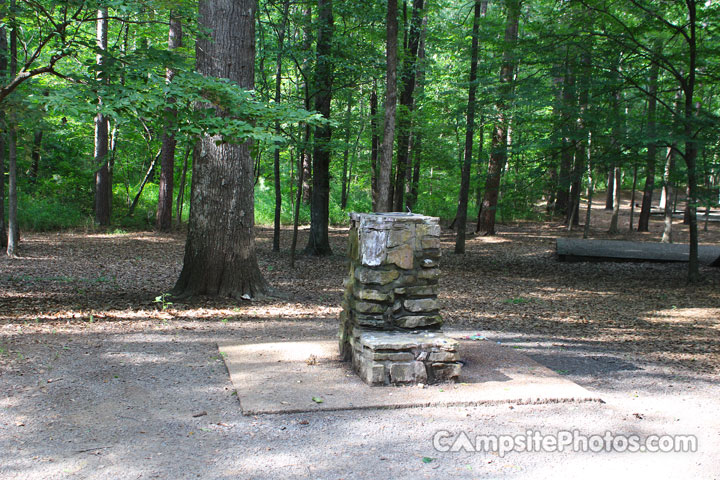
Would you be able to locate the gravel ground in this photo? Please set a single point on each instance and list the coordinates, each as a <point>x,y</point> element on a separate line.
<point>156,402</point>
<point>98,381</point>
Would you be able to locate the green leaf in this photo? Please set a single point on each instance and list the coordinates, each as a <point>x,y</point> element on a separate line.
<point>317,400</point>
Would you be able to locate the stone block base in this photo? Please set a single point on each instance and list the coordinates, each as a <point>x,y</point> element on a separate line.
<point>402,358</point>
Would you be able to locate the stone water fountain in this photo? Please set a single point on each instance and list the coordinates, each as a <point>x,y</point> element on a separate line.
<point>390,323</point>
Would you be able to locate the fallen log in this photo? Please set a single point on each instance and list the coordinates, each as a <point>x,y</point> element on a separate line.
<point>585,250</point>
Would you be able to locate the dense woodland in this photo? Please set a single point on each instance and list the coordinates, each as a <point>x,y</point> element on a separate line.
<point>486,109</point>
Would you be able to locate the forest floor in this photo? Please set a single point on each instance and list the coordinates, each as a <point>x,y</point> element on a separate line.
<point>98,380</point>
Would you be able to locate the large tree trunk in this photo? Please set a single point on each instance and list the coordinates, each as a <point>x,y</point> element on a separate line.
<point>318,242</point>
<point>384,201</point>
<point>461,216</point>
<point>644,220</point>
<point>498,155</point>
<point>406,100</point>
<point>167,157</point>
<point>102,172</point>
<point>220,248</point>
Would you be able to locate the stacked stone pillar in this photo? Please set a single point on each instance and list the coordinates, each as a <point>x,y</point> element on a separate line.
<point>390,323</point>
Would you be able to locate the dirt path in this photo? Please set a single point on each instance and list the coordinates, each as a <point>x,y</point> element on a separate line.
<point>97,381</point>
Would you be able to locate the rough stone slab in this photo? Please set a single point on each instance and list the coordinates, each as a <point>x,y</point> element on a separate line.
<point>274,377</point>
<point>402,341</point>
<point>576,249</point>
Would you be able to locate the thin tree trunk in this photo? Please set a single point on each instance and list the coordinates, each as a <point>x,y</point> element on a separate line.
<point>181,193</point>
<point>591,189</point>
<point>632,198</point>
<point>417,133</point>
<point>102,173</point>
<point>691,145</point>
<point>307,88</point>
<point>278,130</point>
<point>3,132</point>
<point>461,215</point>
<point>567,170</point>
<point>167,157</point>
<point>146,179</point>
<point>644,220</point>
<point>609,192</point>
<point>480,163</point>
<point>498,155</point>
<point>406,100</point>
<point>384,202</point>
<point>13,230</point>
<point>374,144</point>
<point>318,241</point>
<point>296,213</point>
<point>617,175</point>
<point>346,155</point>
<point>667,236</point>
<point>582,154</point>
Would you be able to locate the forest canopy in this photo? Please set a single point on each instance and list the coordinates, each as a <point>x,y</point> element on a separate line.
<point>567,97</point>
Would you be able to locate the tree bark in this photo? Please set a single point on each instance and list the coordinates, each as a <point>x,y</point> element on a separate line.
<point>278,130</point>
<point>346,155</point>
<point>581,157</point>
<point>617,184</point>
<point>3,75</point>
<point>167,157</point>
<point>406,100</point>
<point>307,90</point>
<point>374,144</point>
<point>591,189</point>
<point>13,237</point>
<point>384,201</point>
<point>318,242</point>
<point>102,172</point>
<point>181,191</point>
<point>691,148</point>
<point>644,219</point>
<point>220,254</point>
<point>417,146</point>
<point>632,198</point>
<point>567,151</point>
<point>498,154</point>
<point>461,216</point>
<point>146,179</point>
<point>609,191</point>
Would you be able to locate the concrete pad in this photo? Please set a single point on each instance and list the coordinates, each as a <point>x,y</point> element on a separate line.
<point>284,377</point>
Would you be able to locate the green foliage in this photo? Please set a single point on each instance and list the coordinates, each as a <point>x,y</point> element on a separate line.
<point>43,214</point>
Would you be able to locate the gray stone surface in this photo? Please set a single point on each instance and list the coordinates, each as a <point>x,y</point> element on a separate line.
<point>274,377</point>
<point>392,286</point>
